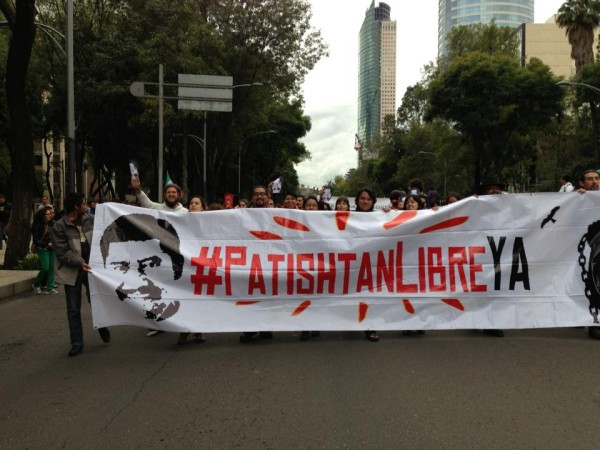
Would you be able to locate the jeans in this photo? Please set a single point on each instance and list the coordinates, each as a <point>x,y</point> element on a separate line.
<point>73,296</point>
<point>45,276</point>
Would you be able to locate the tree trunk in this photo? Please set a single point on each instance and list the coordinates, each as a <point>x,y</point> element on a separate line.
<point>21,152</point>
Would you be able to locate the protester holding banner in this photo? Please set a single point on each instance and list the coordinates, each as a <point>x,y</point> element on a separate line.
<point>590,181</point>
<point>311,204</point>
<point>342,204</point>
<point>413,202</point>
<point>196,205</point>
<point>289,201</point>
<point>172,194</point>
<point>365,202</point>
<point>259,200</point>
<point>453,197</point>
<point>260,196</point>
<point>71,240</point>
<point>397,200</point>
<point>492,186</point>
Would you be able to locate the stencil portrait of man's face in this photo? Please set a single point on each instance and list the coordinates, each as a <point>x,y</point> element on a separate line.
<point>143,252</point>
<point>143,270</point>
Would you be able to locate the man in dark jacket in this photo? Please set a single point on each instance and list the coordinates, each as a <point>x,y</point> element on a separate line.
<point>71,240</point>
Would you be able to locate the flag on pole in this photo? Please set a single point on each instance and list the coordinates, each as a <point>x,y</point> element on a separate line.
<point>168,179</point>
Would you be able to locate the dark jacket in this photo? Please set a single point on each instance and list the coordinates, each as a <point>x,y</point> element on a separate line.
<point>67,247</point>
<point>41,234</point>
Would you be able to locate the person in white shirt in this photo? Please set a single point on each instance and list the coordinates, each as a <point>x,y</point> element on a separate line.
<point>566,185</point>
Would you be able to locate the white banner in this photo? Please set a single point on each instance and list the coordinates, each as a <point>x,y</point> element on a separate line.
<point>500,261</point>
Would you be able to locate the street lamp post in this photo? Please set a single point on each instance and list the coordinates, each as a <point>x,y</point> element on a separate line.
<point>445,168</point>
<point>574,83</point>
<point>240,157</point>
<point>235,86</point>
<point>202,143</point>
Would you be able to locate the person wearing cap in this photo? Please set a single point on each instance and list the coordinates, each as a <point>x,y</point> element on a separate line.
<point>171,193</point>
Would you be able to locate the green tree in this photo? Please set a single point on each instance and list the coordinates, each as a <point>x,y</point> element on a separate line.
<point>485,38</point>
<point>580,18</point>
<point>264,42</point>
<point>488,98</point>
<point>20,17</point>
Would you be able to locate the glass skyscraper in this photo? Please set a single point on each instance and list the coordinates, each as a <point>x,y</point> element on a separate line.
<point>376,72</point>
<point>509,13</point>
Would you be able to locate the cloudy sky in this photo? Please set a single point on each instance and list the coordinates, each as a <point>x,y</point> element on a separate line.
<point>331,88</point>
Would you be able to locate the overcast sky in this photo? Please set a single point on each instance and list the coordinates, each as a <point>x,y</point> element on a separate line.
<point>330,90</point>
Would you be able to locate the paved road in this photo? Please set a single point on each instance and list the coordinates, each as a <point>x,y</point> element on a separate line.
<point>448,389</point>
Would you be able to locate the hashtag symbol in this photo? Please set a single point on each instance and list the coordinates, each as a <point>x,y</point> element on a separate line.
<point>206,271</point>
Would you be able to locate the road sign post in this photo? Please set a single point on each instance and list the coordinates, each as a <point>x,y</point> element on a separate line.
<point>194,92</point>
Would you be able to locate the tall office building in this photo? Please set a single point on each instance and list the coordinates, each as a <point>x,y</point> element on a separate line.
<point>376,72</point>
<point>507,13</point>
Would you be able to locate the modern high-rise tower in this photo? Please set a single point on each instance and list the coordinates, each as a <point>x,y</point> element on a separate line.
<point>506,13</point>
<point>376,72</point>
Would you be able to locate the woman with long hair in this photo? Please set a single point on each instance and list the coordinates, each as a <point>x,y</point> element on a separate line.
<point>413,202</point>
<point>197,204</point>
<point>365,202</point>
<point>310,204</point>
<point>41,232</point>
<point>342,204</point>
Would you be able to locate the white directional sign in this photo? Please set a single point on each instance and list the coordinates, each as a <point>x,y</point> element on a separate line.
<point>205,92</point>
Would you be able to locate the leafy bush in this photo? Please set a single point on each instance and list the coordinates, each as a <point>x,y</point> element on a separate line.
<point>30,262</point>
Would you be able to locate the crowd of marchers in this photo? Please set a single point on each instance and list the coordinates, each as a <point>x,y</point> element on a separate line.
<point>63,240</point>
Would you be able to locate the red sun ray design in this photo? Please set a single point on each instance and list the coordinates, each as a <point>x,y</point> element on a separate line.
<point>454,222</point>
<point>455,303</point>
<point>289,223</point>
<point>408,306</point>
<point>362,311</point>
<point>341,219</point>
<point>246,302</point>
<point>401,218</point>
<point>266,235</point>
<point>301,308</point>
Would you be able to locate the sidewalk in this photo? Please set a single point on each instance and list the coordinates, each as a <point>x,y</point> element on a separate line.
<point>14,282</point>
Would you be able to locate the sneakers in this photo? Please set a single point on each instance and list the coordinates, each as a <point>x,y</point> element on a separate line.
<point>50,292</point>
<point>36,289</point>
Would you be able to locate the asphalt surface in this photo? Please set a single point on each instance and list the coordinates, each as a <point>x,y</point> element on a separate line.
<point>533,389</point>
